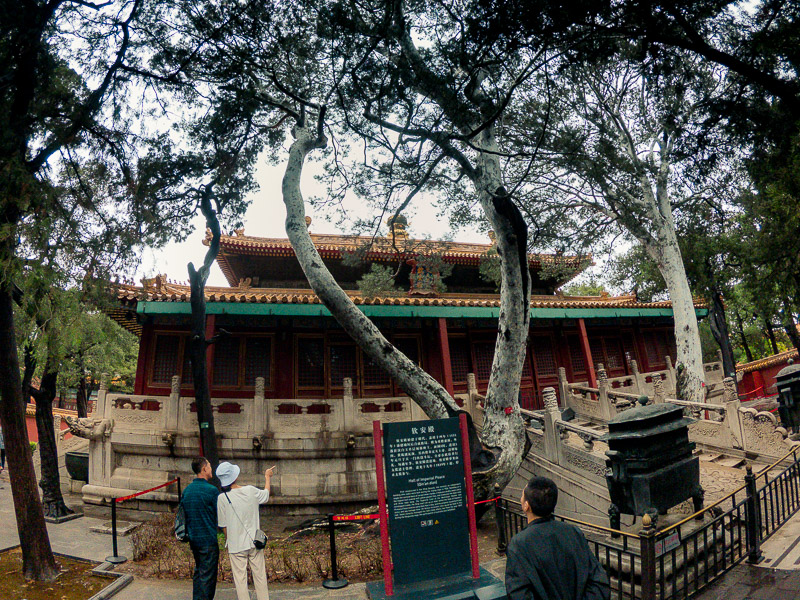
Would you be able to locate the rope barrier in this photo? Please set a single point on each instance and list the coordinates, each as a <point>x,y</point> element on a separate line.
<point>115,558</point>
<point>153,489</point>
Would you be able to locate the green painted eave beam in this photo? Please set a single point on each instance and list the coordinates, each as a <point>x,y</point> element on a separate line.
<point>371,310</point>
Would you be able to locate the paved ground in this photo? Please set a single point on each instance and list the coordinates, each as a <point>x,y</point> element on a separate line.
<point>75,539</point>
<point>744,582</point>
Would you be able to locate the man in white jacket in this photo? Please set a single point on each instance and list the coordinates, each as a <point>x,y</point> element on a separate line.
<point>237,515</point>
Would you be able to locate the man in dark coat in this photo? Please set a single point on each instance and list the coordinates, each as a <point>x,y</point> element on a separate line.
<point>199,502</point>
<point>549,559</point>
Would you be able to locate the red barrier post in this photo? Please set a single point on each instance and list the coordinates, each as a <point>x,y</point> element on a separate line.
<point>473,527</point>
<point>377,435</point>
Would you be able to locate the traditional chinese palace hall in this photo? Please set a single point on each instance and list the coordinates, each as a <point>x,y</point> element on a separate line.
<point>279,330</point>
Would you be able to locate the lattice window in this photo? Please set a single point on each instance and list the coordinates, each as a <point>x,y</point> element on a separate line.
<point>343,364</point>
<point>165,359</point>
<point>484,355</point>
<point>614,356</point>
<point>596,346</point>
<point>629,349</point>
<point>545,357</point>
<point>374,376</point>
<point>187,377</point>
<point>310,362</point>
<point>459,359</point>
<point>410,347</point>
<point>226,362</point>
<point>576,359</point>
<point>257,360</point>
<point>528,398</point>
<point>527,372</point>
<point>654,346</point>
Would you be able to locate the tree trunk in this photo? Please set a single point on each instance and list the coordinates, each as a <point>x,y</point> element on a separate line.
<point>740,323</point>
<point>503,427</point>
<point>789,324</point>
<point>198,344</point>
<point>719,329</point>
<point>419,385</point>
<point>691,377</point>
<point>770,333</point>
<point>81,395</point>
<point>50,482</point>
<point>37,557</point>
<point>504,431</point>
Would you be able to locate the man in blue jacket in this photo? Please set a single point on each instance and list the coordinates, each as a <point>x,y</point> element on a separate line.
<point>200,505</point>
<point>549,559</point>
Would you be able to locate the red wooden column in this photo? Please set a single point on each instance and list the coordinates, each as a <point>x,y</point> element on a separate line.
<point>587,353</point>
<point>444,352</point>
<point>141,362</point>
<point>211,327</point>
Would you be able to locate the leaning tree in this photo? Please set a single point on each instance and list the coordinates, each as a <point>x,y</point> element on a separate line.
<point>419,91</point>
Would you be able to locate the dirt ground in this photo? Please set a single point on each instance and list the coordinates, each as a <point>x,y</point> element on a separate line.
<point>292,557</point>
<point>76,581</point>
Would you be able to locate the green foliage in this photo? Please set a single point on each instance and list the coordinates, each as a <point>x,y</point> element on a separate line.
<point>379,281</point>
<point>433,263</point>
<point>591,287</point>
<point>490,267</point>
<point>33,446</point>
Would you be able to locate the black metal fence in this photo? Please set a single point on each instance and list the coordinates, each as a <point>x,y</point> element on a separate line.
<point>681,560</point>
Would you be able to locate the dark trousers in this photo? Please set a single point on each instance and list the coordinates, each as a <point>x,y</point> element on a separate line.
<point>204,580</point>
<point>3,458</point>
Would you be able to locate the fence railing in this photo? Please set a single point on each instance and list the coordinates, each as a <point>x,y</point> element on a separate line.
<point>679,561</point>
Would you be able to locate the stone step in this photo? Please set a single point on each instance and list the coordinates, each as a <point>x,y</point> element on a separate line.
<point>710,456</point>
<point>732,462</point>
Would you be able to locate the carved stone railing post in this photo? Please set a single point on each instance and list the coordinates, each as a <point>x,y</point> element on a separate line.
<point>733,416</point>
<point>552,437</point>
<point>607,410</point>
<point>637,377</point>
<point>659,394</point>
<point>101,408</point>
<point>349,405</point>
<point>563,386</point>
<point>472,394</point>
<point>172,406</point>
<point>260,414</point>
<point>672,382</point>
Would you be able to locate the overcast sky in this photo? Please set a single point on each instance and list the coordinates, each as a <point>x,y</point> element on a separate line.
<point>265,218</point>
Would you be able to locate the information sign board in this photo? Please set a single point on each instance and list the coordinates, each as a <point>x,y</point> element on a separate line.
<point>427,499</point>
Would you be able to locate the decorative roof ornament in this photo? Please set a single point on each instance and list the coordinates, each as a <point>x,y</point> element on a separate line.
<point>308,222</point>
<point>245,283</point>
<point>239,232</point>
<point>492,236</point>
<point>155,284</point>
<point>397,227</point>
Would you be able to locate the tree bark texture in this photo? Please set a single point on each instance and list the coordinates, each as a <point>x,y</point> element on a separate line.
<point>719,329</point>
<point>687,339</point>
<point>82,393</point>
<point>740,323</point>
<point>789,324</point>
<point>770,333</point>
<point>50,482</point>
<point>198,344</point>
<point>503,427</point>
<point>37,556</point>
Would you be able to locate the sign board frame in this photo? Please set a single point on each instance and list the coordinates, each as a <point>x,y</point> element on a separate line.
<point>388,567</point>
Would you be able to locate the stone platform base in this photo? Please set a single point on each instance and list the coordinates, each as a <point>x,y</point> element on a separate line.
<point>456,587</point>
<point>64,519</point>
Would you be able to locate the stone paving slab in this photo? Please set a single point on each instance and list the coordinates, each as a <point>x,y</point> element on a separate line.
<point>72,537</point>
